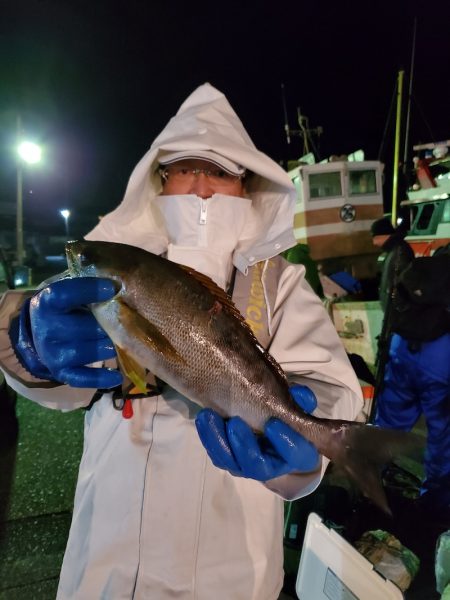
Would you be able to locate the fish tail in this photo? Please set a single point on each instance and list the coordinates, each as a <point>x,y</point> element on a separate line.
<point>362,450</point>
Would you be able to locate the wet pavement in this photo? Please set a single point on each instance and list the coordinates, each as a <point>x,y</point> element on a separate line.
<point>37,483</point>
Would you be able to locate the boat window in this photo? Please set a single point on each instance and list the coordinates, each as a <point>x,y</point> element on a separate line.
<point>413,210</point>
<point>425,216</point>
<point>362,182</point>
<point>429,215</point>
<point>446,213</point>
<point>325,185</point>
<point>440,169</point>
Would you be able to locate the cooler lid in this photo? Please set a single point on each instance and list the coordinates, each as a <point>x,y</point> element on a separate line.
<point>332,569</point>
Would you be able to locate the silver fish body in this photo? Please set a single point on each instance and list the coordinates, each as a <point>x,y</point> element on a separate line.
<point>185,330</point>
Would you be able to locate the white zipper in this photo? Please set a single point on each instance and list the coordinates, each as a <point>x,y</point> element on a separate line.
<point>202,221</point>
<point>203,212</point>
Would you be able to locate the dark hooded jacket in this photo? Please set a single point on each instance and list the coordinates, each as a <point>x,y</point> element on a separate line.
<point>398,255</point>
<point>422,304</point>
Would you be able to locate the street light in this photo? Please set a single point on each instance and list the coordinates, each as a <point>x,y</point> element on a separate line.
<point>30,153</point>
<point>66,214</point>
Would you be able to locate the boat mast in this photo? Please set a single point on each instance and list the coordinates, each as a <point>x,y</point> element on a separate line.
<point>408,112</point>
<point>397,147</point>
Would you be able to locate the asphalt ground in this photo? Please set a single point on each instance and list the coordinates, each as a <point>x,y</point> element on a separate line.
<point>38,472</point>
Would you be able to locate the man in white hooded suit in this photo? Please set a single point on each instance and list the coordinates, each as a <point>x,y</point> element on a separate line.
<point>154,515</point>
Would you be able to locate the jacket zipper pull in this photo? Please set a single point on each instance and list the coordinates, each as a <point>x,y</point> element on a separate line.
<point>203,212</point>
<point>127,410</point>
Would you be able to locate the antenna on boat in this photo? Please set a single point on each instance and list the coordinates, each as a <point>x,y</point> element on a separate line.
<point>307,133</point>
<point>408,112</point>
<point>304,131</point>
<point>286,123</point>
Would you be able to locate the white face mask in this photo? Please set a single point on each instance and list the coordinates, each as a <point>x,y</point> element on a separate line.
<point>203,234</point>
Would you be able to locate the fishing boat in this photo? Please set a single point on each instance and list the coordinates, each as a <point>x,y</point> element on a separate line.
<point>428,202</point>
<point>337,201</point>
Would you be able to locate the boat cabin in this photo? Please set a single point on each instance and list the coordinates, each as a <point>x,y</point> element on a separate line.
<point>337,202</point>
<point>428,202</point>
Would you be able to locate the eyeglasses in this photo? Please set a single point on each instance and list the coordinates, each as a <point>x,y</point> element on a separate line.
<point>217,177</point>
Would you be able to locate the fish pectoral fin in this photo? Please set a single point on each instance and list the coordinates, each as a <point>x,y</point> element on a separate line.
<point>139,327</point>
<point>132,369</point>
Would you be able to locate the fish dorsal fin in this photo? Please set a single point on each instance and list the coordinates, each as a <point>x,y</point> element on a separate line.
<point>227,303</point>
<point>219,294</point>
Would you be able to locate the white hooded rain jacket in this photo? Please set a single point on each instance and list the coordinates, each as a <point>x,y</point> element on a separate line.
<point>153,518</point>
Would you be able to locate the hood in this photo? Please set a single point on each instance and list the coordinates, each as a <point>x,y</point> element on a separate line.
<point>206,121</point>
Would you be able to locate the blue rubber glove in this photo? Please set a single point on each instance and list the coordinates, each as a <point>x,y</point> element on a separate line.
<point>56,335</point>
<point>232,445</point>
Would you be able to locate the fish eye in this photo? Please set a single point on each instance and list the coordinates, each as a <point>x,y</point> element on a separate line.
<point>84,259</point>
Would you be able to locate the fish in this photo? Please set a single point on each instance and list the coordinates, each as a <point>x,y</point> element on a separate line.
<point>178,324</point>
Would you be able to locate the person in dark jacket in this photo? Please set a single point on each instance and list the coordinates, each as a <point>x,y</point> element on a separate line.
<point>416,378</point>
<point>397,255</point>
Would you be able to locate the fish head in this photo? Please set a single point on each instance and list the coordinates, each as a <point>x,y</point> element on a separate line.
<point>100,259</point>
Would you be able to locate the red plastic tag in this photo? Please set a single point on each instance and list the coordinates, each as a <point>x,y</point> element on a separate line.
<point>127,410</point>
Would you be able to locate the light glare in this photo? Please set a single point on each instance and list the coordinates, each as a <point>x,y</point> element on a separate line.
<point>29,152</point>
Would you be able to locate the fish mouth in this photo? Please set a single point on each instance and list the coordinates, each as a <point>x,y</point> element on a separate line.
<point>73,250</point>
<point>81,263</point>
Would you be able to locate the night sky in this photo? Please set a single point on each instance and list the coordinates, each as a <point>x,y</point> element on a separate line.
<point>95,82</point>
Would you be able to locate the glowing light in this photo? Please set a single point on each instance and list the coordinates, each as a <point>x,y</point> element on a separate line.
<point>29,152</point>
<point>65,213</point>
